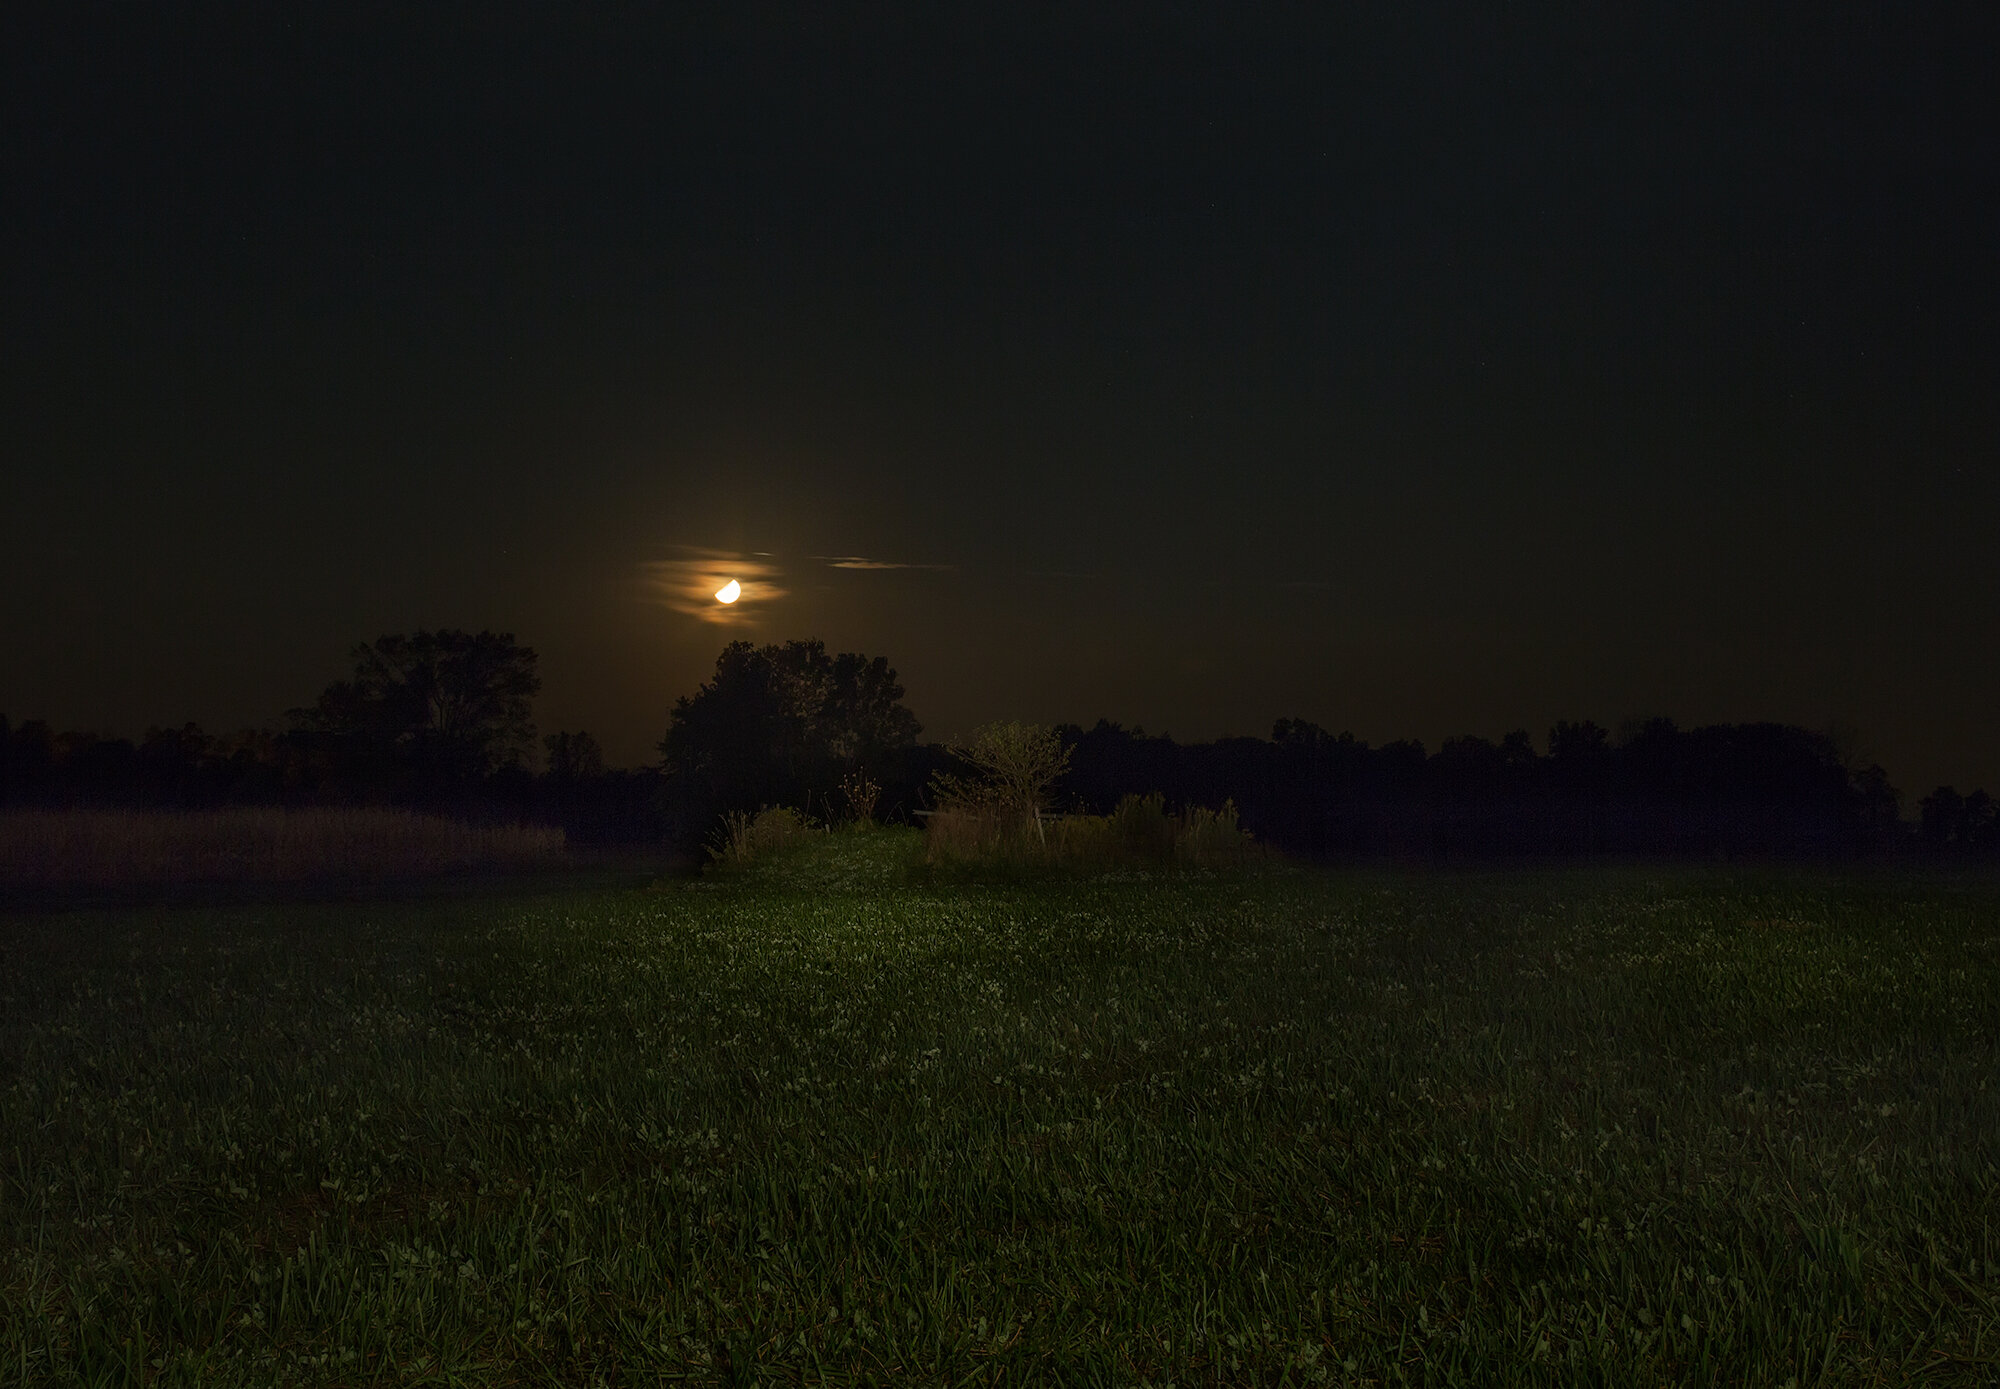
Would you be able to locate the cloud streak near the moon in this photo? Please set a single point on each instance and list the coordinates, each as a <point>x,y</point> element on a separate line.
<point>863,562</point>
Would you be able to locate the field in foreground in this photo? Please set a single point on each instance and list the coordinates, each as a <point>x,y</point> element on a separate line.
<point>1629,1126</point>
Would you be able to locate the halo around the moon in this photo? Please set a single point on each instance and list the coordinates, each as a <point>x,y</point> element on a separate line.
<point>725,588</point>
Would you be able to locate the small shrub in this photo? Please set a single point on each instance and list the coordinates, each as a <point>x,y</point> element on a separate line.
<point>862,794</point>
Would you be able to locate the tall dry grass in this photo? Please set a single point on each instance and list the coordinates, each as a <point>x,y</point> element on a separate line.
<point>137,848</point>
<point>1140,832</point>
<point>745,837</point>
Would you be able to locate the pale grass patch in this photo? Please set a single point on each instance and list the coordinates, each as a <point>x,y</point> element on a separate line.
<point>133,848</point>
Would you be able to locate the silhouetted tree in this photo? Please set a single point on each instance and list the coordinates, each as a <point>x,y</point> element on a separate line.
<point>1943,822</point>
<point>1878,812</point>
<point>1299,734</point>
<point>1979,828</point>
<point>174,765</point>
<point>1577,742</point>
<point>35,758</point>
<point>446,705</point>
<point>862,719</point>
<point>779,724</point>
<point>1471,764</point>
<point>573,757</point>
<point>788,724</point>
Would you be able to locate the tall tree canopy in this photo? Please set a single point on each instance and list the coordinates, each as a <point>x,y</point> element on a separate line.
<point>776,723</point>
<point>447,704</point>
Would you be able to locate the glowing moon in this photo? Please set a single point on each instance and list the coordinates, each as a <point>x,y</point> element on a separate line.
<point>729,592</point>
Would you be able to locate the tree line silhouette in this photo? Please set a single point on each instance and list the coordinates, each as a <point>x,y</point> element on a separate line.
<point>443,721</point>
<point>1760,788</point>
<point>439,721</point>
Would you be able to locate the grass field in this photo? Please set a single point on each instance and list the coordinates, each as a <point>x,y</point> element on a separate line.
<point>824,1121</point>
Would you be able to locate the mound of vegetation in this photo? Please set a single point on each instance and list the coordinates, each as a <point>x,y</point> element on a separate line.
<point>993,809</point>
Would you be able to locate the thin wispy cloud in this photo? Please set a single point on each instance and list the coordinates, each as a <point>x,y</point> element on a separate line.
<point>863,562</point>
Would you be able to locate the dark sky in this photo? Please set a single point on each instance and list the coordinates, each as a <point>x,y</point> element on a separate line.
<point>1431,370</point>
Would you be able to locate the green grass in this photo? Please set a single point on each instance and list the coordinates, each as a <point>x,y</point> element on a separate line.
<point>822,1120</point>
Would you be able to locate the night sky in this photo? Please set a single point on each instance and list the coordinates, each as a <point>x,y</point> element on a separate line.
<point>1420,370</point>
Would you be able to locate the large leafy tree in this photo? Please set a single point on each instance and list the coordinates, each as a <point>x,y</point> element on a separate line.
<point>777,723</point>
<point>446,704</point>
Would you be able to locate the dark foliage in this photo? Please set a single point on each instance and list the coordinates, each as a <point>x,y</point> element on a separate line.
<point>785,725</point>
<point>1959,826</point>
<point>441,721</point>
<point>434,720</point>
<point>167,767</point>
<point>185,768</point>
<point>432,711</point>
<point>1748,788</point>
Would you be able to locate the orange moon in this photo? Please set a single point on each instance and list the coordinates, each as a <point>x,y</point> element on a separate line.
<point>729,592</point>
